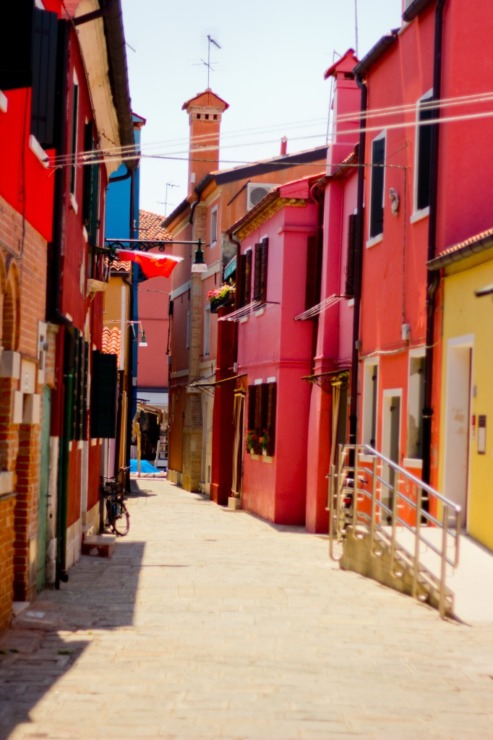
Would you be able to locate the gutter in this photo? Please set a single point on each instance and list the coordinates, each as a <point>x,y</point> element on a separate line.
<point>375,53</point>
<point>432,276</point>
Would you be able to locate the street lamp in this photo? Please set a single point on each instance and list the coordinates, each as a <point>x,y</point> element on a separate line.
<point>199,261</point>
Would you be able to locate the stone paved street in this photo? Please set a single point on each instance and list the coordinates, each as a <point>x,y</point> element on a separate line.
<point>209,623</point>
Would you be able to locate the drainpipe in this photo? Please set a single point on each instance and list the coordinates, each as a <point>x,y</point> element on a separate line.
<point>432,277</point>
<point>358,264</point>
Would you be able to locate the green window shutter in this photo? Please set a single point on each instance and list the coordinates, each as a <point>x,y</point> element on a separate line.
<point>90,208</point>
<point>103,397</point>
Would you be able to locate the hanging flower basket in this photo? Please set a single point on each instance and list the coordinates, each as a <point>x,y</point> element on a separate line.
<point>223,296</point>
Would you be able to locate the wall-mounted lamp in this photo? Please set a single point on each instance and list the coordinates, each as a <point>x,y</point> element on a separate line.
<point>143,340</point>
<point>199,261</point>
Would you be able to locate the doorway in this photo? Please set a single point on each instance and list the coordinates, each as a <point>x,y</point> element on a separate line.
<point>457,425</point>
<point>391,433</point>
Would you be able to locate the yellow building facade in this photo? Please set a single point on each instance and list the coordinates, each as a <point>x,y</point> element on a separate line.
<point>466,418</point>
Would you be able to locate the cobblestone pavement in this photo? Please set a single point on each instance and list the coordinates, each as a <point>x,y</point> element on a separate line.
<point>209,623</point>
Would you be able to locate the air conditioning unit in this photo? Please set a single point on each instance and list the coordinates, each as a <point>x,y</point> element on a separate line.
<point>256,191</point>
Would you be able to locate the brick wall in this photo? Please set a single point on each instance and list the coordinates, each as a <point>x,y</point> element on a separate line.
<point>22,306</point>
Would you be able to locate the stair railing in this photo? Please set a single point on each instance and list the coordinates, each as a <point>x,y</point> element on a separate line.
<point>365,493</point>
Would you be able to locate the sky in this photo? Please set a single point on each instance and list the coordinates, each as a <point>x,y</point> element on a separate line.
<point>269,68</point>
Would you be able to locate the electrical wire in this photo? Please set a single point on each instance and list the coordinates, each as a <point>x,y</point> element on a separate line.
<point>99,156</point>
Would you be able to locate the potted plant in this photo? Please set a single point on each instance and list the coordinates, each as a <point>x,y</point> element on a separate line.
<point>251,441</point>
<point>223,296</point>
<point>264,442</point>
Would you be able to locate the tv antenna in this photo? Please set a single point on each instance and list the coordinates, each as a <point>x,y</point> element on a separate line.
<point>207,63</point>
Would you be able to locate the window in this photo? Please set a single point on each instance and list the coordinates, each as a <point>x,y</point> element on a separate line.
<point>74,134</point>
<point>90,203</point>
<point>313,271</point>
<point>244,276</point>
<point>103,395</point>
<point>422,172</point>
<point>351,256</point>
<point>260,267</point>
<point>213,227</point>
<point>415,403</point>
<point>262,404</point>
<point>370,398</point>
<point>377,185</point>
<point>207,330</point>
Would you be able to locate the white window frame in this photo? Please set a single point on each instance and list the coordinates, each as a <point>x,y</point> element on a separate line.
<point>414,405</point>
<point>213,226</point>
<point>370,400</point>
<point>75,140</point>
<point>418,213</point>
<point>376,238</point>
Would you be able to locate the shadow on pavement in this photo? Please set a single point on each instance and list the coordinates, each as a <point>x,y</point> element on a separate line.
<point>48,637</point>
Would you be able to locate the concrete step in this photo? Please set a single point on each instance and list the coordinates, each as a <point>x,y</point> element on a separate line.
<point>100,545</point>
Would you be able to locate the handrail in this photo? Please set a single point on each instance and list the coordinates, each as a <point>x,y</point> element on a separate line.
<point>381,488</point>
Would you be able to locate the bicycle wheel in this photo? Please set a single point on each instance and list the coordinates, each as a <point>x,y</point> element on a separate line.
<point>120,519</point>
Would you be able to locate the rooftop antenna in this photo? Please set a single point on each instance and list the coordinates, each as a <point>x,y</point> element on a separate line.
<point>356,26</point>
<point>210,41</point>
<point>168,185</point>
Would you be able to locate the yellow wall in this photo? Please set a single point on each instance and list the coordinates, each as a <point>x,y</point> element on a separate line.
<point>466,314</point>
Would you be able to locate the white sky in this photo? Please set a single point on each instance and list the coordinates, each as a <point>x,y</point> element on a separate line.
<point>270,69</point>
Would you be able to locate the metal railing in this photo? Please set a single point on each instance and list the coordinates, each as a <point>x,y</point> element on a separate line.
<point>366,493</point>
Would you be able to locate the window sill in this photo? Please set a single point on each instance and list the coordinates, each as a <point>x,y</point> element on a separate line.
<point>374,240</point>
<point>259,312</point>
<point>267,459</point>
<point>73,203</point>
<point>38,150</point>
<point>419,215</point>
<point>4,103</point>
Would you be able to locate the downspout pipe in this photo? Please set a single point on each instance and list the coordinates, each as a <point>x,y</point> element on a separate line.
<point>432,276</point>
<point>358,263</point>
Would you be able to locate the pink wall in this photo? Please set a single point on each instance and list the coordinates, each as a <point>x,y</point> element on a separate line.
<point>273,345</point>
<point>153,314</point>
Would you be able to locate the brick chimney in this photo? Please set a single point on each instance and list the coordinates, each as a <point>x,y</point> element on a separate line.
<point>204,114</point>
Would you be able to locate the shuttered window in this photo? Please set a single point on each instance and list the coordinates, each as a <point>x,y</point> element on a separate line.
<point>351,255</point>
<point>244,278</point>
<point>377,186</point>
<point>260,267</point>
<point>90,206</point>
<point>74,136</point>
<point>103,395</point>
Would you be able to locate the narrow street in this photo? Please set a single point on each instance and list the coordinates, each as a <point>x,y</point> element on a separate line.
<point>209,623</point>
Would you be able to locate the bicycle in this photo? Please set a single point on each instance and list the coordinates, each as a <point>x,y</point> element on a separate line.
<point>117,515</point>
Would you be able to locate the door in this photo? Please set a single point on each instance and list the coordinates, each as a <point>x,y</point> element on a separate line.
<point>457,426</point>
<point>43,490</point>
<point>391,440</point>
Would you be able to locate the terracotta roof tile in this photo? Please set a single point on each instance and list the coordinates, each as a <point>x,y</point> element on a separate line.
<point>151,226</point>
<point>111,340</point>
